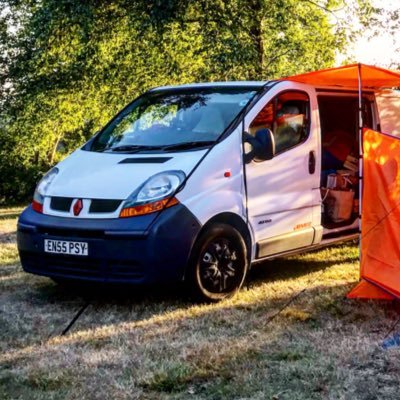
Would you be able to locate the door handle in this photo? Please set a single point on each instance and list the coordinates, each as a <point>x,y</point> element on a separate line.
<point>311,162</point>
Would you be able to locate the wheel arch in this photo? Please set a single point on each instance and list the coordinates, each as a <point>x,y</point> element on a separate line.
<point>233,220</point>
<point>236,222</point>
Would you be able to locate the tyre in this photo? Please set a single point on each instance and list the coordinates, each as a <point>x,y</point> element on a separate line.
<point>218,264</point>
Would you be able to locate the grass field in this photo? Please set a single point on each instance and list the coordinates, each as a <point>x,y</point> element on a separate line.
<point>154,344</point>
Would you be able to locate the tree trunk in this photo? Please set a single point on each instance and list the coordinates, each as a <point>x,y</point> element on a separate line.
<point>54,151</point>
<point>257,37</point>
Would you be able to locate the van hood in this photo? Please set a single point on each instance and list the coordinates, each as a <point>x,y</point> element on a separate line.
<point>92,175</point>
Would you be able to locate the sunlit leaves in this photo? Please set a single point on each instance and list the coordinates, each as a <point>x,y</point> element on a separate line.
<point>67,66</point>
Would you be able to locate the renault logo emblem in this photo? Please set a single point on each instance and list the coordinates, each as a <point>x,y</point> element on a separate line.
<point>77,208</point>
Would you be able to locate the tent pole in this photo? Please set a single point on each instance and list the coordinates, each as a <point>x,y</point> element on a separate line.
<point>361,155</point>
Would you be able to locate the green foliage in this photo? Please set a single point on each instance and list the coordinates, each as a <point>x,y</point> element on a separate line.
<point>67,65</point>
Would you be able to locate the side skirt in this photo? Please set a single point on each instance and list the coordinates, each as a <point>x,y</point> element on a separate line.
<point>289,241</point>
<point>324,243</point>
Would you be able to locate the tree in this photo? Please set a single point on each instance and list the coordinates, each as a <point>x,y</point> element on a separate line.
<point>69,65</point>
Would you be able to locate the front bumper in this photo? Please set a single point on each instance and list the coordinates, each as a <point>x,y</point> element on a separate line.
<point>139,250</point>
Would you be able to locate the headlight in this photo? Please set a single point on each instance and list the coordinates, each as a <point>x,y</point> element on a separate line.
<point>41,189</point>
<point>155,194</point>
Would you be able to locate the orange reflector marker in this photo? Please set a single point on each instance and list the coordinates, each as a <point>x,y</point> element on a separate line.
<point>148,208</point>
<point>37,207</point>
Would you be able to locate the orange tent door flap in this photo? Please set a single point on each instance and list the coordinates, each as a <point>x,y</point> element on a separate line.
<point>380,245</point>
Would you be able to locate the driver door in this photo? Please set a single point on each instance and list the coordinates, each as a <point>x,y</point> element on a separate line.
<point>284,202</point>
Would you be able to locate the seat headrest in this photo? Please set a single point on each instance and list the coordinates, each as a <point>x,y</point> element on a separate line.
<point>289,109</point>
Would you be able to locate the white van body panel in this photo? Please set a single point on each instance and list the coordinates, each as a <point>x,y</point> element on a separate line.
<point>208,192</point>
<point>92,175</point>
<point>280,194</point>
<point>283,197</point>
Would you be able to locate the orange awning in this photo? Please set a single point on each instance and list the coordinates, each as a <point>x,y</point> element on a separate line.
<point>347,76</point>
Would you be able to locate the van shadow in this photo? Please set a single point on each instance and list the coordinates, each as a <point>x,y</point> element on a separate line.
<point>124,294</point>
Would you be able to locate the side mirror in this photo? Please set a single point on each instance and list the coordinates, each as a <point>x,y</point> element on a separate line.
<point>263,145</point>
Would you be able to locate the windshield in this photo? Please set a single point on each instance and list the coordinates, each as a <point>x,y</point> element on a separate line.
<point>174,120</point>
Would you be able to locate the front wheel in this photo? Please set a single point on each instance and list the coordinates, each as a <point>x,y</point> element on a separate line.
<point>218,264</point>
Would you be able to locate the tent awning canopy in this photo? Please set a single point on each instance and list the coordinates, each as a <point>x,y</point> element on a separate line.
<point>347,76</point>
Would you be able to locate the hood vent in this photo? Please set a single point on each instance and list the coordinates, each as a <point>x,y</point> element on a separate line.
<point>145,160</point>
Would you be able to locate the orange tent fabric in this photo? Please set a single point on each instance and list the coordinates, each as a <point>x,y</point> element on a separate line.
<point>372,77</point>
<point>369,291</point>
<point>380,246</point>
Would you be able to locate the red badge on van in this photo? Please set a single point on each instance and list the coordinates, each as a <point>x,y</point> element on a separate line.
<point>77,208</point>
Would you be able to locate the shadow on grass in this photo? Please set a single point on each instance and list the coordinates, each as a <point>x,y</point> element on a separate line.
<point>8,237</point>
<point>118,294</point>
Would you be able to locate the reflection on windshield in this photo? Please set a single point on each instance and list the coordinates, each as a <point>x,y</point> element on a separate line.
<point>174,119</point>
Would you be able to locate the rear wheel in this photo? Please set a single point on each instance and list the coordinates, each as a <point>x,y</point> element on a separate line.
<point>218,264</point>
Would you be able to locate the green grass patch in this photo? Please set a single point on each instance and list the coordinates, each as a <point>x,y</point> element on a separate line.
<point>8,255</point>
<point>171,378</point>
<point>152,344</point>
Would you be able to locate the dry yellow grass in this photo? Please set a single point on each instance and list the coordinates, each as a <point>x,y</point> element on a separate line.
<point>153,344</point>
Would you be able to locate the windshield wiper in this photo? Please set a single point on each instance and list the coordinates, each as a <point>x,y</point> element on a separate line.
<point>188,145</point>
<point>133,148</point>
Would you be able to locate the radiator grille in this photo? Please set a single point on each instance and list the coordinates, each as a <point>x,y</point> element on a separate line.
<point>104,206</point>
<point>63,204</point>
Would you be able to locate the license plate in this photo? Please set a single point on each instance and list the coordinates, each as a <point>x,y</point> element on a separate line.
<point>66,247</point>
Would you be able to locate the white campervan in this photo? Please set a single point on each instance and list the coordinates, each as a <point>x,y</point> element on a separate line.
<point>195,183</point>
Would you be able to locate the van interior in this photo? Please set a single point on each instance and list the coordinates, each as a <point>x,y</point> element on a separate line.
<point>340,158</point>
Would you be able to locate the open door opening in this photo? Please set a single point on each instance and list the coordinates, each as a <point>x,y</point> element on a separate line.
<point>339,157</point>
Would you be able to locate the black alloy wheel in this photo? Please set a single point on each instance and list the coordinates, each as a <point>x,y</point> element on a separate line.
<point>218,264</point>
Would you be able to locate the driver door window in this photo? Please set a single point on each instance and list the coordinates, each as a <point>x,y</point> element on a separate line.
<point>288,117</point>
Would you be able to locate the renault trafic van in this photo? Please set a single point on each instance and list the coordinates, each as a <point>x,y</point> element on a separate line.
<point>195,183</point>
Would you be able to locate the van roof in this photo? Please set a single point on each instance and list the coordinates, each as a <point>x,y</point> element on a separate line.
<point>243,84</point>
